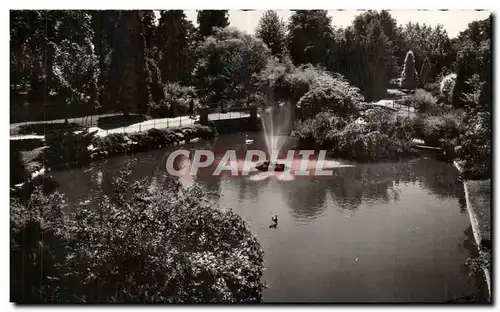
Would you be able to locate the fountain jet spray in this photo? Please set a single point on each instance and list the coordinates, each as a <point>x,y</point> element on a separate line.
<point>276,122</point>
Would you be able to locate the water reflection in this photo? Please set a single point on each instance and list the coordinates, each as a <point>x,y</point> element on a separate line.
<point>384,231</point>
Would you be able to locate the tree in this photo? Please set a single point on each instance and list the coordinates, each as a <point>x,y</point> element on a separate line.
<point>272,30</point>
<point>309,36</point>
<point>424,71</point>
<point>409,75</point>
<point>474,57</point>
<point>363,53</point>
<point>53,59</point>
<point>426,41</point>
<point>141,244</point>
<point>129,76</point>
<point>208,20</point>
<point>226,65</point>
<point>176,56</point>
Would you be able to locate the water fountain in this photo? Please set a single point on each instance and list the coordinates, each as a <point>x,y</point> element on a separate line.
<point>276,122</point>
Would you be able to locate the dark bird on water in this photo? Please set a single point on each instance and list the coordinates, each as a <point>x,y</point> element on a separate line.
<point>275,222</point>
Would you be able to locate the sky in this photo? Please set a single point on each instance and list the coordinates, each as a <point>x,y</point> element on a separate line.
<point>454,21</point>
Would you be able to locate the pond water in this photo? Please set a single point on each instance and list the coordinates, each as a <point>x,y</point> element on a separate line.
<point>384,232</point>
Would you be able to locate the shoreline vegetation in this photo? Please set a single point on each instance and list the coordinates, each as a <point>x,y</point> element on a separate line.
<point>428,87</point>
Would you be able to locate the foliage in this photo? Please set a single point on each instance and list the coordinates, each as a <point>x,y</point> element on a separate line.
<point>474,57</point>
<point>120,143</point>
<point>475,147</point>
<point>422,101</point>
<point>314,131</point>
<point>426,42</point>
<point>330,94</point>
<point>209,20</point>
<point>38,238</point>
<point>66,148</point>
<point>409,75</point>
<point>45,183</point>
<point>227,62</point>
<point>18,172</point>
<point>309,36</point>
<point>424,72</point>
<point>364,53</point>
<point>442,129</point>
<point>176,52</point>
<point>141,245</point>
<point>178,100</point>
<point>272,30</point>
<point>381,136</point>
<point>448,85</point>
<point>129,75</point>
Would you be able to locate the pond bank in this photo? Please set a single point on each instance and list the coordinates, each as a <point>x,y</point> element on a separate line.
<point>478,201</point>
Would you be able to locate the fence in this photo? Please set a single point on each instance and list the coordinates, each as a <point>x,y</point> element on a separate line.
<point>131,124</point>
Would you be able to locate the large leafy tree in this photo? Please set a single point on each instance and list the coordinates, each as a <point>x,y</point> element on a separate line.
<point>309,36</point>
<point>176,54</point>
<point>426,41</point>
<point>129,73</point>
<point>474,57</point>
<point>226,65</point>
<point>52,56</point>
<point>141,244</point>
<point>364,54</point>
<point>208,20</point>
<point>272,30</point>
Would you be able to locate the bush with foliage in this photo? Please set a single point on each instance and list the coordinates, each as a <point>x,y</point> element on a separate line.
<point>43,182</point>
<point>475,148</point>
<point>119,143</point>
<point>448,85</point>
<point>382,136</point>
<point>422,101</point>
<point>178,100</point>
<point>66,148</point>
<point>424,72</point>
<point>441,129</point>
<point>330,94</point>
<point>409,75</point>
<point>227,62</point>
<point>140,245</point>
<point>314,132</point>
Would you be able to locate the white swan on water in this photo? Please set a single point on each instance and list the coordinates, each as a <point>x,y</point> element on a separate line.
<point>248,141</point>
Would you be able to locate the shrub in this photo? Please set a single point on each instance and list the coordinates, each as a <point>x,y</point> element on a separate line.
<point>330,93</point>
<point>18,172</point>
<point>113,143</point>
<point>433,88</point>
<point>475,147</point>
<point>441,129</point>
<point>316,131</point>
<point>447,86</point>
<point>45,183</point>
<point>178,100</point>
<point>424,71</point>
<point>67,148</point>
<point>422,101</point>
<point>409,75</point>
<point>142,245</point>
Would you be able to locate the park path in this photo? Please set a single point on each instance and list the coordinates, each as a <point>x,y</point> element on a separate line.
<point>158,123</point>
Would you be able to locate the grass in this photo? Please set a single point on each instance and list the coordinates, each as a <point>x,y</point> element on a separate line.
<point>480,200</point>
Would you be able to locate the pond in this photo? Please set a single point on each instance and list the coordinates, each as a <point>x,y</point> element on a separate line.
<point>384,232</point>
